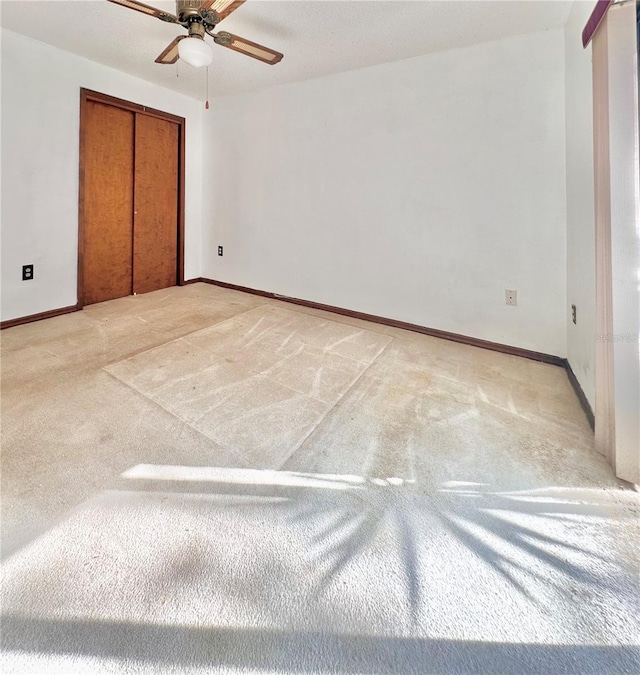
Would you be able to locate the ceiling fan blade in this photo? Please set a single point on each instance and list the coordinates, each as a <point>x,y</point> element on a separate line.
<point>249,48</point>
<point>146,9</point>
<point>221,7</point>
<point>170,52</point>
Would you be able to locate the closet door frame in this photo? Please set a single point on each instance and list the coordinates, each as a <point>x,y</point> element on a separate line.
<point>87,95</point>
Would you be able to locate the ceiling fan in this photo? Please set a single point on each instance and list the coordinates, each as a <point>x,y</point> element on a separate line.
<point>200,17</point>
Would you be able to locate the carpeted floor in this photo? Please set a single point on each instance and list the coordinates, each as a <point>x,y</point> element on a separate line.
<point>202,481</point>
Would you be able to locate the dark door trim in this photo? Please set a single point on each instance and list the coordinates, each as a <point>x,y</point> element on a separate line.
<point>87,95</point>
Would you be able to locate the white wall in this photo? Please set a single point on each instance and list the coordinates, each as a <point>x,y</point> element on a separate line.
<point>581,256</point>
<point>418,190</point>
<point>40,133</point>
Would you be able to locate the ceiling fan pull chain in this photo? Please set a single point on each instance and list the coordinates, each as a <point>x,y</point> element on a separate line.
<point>206,105</point>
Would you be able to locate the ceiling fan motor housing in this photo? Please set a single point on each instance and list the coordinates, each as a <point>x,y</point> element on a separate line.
<point>187,8</point>
<point>188,12</point>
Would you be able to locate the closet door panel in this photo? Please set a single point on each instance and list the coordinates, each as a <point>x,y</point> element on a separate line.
<point>108,202</point>
<point>155,223</point>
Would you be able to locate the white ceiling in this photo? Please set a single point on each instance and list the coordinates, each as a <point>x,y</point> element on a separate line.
<point>317,37</point>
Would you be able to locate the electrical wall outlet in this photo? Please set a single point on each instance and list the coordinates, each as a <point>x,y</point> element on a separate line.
<point>511,297</point>
<point>573,313</point>
<point>27,272</point>
<point>220,250</point>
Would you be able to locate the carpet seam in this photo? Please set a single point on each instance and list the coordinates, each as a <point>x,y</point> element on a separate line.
<point>322,419</point>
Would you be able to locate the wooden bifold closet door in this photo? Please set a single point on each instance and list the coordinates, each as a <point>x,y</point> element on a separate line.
<point>155,204</point>
<point>108,202</point>
<point>129,202</point>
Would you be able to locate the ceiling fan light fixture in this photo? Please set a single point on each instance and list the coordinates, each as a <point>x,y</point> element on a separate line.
<point>195,51</point>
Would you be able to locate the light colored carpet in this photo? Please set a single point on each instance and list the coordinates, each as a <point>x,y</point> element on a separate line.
<point>235,570</point>
<point>257,384</point>
<point>444,512</point>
